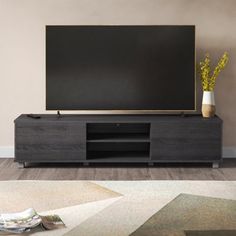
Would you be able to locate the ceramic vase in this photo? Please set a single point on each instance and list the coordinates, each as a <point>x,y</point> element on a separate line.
<point>208,104</point>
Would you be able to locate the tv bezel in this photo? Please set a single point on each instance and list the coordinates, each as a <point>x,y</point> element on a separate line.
<point>129,111</point>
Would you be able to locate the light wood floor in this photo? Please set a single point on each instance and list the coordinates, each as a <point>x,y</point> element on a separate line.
<point>10,171</point>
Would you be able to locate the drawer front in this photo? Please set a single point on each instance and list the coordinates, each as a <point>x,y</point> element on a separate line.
<point>186,141</point>
<point>56,142</point>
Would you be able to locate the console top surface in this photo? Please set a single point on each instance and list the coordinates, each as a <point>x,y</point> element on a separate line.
<point>114,118</point>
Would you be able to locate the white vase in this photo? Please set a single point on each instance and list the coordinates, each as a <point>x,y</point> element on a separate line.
<point>208,104</point>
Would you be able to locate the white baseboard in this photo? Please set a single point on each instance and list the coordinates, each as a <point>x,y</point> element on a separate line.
<point>229,152</point>
<point>8,152</point>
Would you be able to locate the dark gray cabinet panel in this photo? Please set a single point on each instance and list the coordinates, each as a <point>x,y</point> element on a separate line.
<point>50,142</point>
<point>186,141</point>
<point>116,138</point>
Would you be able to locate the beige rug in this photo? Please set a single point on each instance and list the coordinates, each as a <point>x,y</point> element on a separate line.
<point>50,195</point>
<point>103,208</point>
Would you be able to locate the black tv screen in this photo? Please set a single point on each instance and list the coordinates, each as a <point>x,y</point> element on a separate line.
<point>126,68</point>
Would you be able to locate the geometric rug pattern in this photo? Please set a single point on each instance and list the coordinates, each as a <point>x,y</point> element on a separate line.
<point>119,208</point>
<point>191,215</point>
<point>45,195</point>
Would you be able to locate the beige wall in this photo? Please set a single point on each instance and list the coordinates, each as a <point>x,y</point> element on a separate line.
<point>22,46</point>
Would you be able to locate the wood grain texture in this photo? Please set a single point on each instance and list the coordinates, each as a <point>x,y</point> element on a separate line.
<point>9,171</point>
<point>186,141</point>
<point>50,142</point>
<point>127,138</point>
<point>114,118</point>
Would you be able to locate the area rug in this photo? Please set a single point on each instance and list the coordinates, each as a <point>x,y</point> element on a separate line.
<point>190,215</point>
<point>119,208</point>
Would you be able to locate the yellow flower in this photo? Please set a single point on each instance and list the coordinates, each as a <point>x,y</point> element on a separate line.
<point>208,82</point>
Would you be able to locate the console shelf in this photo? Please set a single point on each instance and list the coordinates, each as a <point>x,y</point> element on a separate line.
<point>120,156</point>
<point>116,138</point>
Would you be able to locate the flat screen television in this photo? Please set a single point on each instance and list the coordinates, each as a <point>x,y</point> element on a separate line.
<point>124,69</point>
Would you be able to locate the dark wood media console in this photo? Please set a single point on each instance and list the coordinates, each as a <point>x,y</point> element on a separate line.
<point>118,138</point>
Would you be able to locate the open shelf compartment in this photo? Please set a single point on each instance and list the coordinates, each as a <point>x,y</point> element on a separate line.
<point>120,132</point>
<point>121,142</point>
<point>119,151</point>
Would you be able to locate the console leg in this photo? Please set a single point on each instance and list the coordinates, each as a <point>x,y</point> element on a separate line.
<point>150,164</point>
<point>215,165</point>
<point>21,165</point>
<point>85,164</point>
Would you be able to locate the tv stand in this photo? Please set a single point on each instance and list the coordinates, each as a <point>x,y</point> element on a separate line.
<point>118,139</point>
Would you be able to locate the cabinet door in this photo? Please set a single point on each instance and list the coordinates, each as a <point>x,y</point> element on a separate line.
<point>185,141</point>
<point>50,142</point>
